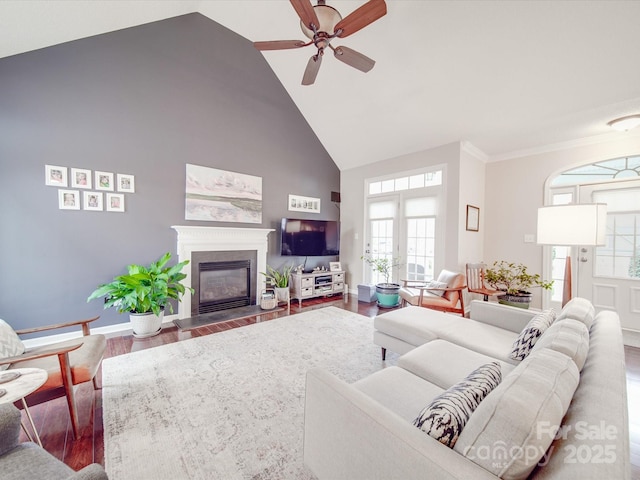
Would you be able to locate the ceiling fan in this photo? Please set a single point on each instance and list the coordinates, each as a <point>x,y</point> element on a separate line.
<point>322,23</point>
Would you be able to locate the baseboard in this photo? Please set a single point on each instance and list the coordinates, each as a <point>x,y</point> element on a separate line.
<point>631,337</point>
<point>108,331</point>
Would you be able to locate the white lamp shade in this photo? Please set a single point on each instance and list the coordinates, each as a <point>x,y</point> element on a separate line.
<point>570,225</point>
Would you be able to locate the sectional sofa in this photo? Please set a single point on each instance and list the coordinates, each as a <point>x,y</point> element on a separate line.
<point>558,411</point>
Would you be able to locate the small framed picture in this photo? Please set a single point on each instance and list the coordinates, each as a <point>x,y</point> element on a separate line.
<point>473,218</point>
<point>298,203</point>
<point>126,183</point>
<point>335,267</point>
<point>103,180</point>
<point>68,199</point>
<point>115,202</point>
<point>80,178</point>
<point>92,201</point>
<point>55,176</point>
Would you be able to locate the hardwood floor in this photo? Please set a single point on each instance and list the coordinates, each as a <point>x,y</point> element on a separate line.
<point>52,419</point>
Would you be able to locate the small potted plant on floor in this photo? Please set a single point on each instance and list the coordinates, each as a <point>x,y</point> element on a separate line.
<point>514,280</point>
<point>144,292</point>
<point>387,292</point>
<point>279,281</point>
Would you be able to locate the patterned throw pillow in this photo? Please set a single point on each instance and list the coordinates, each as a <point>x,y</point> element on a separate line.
<point>448,413</point>
<point>10,343</point>
<point>434,284</point>
<point>529,336</point>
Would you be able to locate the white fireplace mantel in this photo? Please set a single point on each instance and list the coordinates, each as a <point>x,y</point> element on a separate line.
<point>204,239</point>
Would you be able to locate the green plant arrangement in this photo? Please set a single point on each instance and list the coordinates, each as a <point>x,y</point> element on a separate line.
<point>513,278</point>
<point>278,278</point>
<point>144,289</point>
<point>383,265</point>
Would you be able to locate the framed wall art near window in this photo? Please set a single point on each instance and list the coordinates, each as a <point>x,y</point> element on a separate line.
<point>80,178</point>
<point>55,176</point>
<point>68,199</point>
<point>298,203</point>
<point>473,218</point>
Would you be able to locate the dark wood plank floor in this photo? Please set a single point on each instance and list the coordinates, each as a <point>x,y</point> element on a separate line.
<point>52,419</point>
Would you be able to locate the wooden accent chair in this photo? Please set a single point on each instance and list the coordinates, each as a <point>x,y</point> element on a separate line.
<point>68,363</point>
<point>445,294</point>
<point>475,281</point>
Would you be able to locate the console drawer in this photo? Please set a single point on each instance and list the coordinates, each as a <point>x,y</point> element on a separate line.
<point>338,287</point>
<point>306,282</point>
<point>307,292</point>
<point>338,277</point>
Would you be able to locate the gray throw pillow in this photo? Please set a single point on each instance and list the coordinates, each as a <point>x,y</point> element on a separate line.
<point>448,413</point>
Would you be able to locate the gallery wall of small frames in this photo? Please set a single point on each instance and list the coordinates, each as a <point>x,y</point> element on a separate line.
<point>82,189</point>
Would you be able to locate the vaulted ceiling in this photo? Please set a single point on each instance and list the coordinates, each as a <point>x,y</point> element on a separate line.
<point>507,77</point>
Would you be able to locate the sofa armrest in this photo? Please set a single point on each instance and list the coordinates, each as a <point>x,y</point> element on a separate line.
<point>506,317</point>
<point>90,472</point>
<point>9,427</point>
<point>348,435</point>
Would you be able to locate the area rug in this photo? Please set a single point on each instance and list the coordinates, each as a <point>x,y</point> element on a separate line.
<point>228,405</point>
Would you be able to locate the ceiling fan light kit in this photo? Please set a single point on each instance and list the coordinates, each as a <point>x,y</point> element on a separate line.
<point>321,24</point>
<point>625,123</point>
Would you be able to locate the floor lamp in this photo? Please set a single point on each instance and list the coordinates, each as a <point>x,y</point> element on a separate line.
<point>572,225</point>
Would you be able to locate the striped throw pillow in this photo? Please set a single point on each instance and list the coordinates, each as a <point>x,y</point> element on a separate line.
<point>448,413</point>
<point>530,334</point>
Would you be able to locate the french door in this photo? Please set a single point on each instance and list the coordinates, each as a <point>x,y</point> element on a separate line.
<point>402,228</point>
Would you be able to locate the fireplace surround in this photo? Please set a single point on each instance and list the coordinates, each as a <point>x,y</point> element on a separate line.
<point>221,244</point>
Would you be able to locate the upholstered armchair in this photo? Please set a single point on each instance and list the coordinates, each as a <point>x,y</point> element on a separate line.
<point>28,461</point>
<point>444,294</point>
<point>67,363</point>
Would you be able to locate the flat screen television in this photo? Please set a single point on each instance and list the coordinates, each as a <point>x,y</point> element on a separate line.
<point>310,238</point>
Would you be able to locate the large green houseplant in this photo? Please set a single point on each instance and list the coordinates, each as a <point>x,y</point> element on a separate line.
<point>515,281</point>
<point>279,280</point>
<point>144,292</point>
<point>387,292</point>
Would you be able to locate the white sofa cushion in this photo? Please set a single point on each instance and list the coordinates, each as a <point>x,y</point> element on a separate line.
<point>427,362</point>
<point>407,324</point>
<point>531,333</point>
<point>579,309</point>
<point>567,336</point>
<point>398,390</point>
<point>447,414</point>
<point>512,428</point>
<point>10,343</point>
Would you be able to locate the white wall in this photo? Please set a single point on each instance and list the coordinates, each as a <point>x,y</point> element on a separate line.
<point>515,190</point>
<point>352,183</point>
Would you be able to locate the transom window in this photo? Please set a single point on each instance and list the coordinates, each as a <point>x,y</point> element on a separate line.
<point>616,169</point>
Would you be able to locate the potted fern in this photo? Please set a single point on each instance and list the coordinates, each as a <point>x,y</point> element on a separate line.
<point>515,281</point>
<point>144,293</point>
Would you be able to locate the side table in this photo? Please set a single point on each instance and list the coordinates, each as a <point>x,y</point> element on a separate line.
<point>28,381</point>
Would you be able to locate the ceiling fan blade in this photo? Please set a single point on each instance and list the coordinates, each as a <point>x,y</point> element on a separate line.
<point>279,44</point>
<point>354,59</point>
<point>307,14</point>
<point>311,72</point>
<point>361,17</point>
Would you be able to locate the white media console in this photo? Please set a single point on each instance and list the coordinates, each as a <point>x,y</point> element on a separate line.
<point>316,284</point>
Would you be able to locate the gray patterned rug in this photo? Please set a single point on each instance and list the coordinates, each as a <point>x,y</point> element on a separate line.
<point>228,405</point>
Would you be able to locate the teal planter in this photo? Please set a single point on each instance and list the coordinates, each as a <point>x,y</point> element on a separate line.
<point>388,296</point>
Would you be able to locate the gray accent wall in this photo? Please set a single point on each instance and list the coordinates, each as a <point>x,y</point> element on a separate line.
<point>143,101</point>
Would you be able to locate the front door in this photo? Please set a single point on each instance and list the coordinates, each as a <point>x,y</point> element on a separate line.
<point>610,274</point>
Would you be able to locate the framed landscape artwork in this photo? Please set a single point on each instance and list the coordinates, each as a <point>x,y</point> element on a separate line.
<point>222,196</point>
<point>298,203</point>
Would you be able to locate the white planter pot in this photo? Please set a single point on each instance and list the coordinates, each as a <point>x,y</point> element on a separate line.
<point>282,294</point>
<point>146,324</point>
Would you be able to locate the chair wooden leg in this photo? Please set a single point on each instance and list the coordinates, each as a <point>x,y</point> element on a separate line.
<point>67,381</point>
